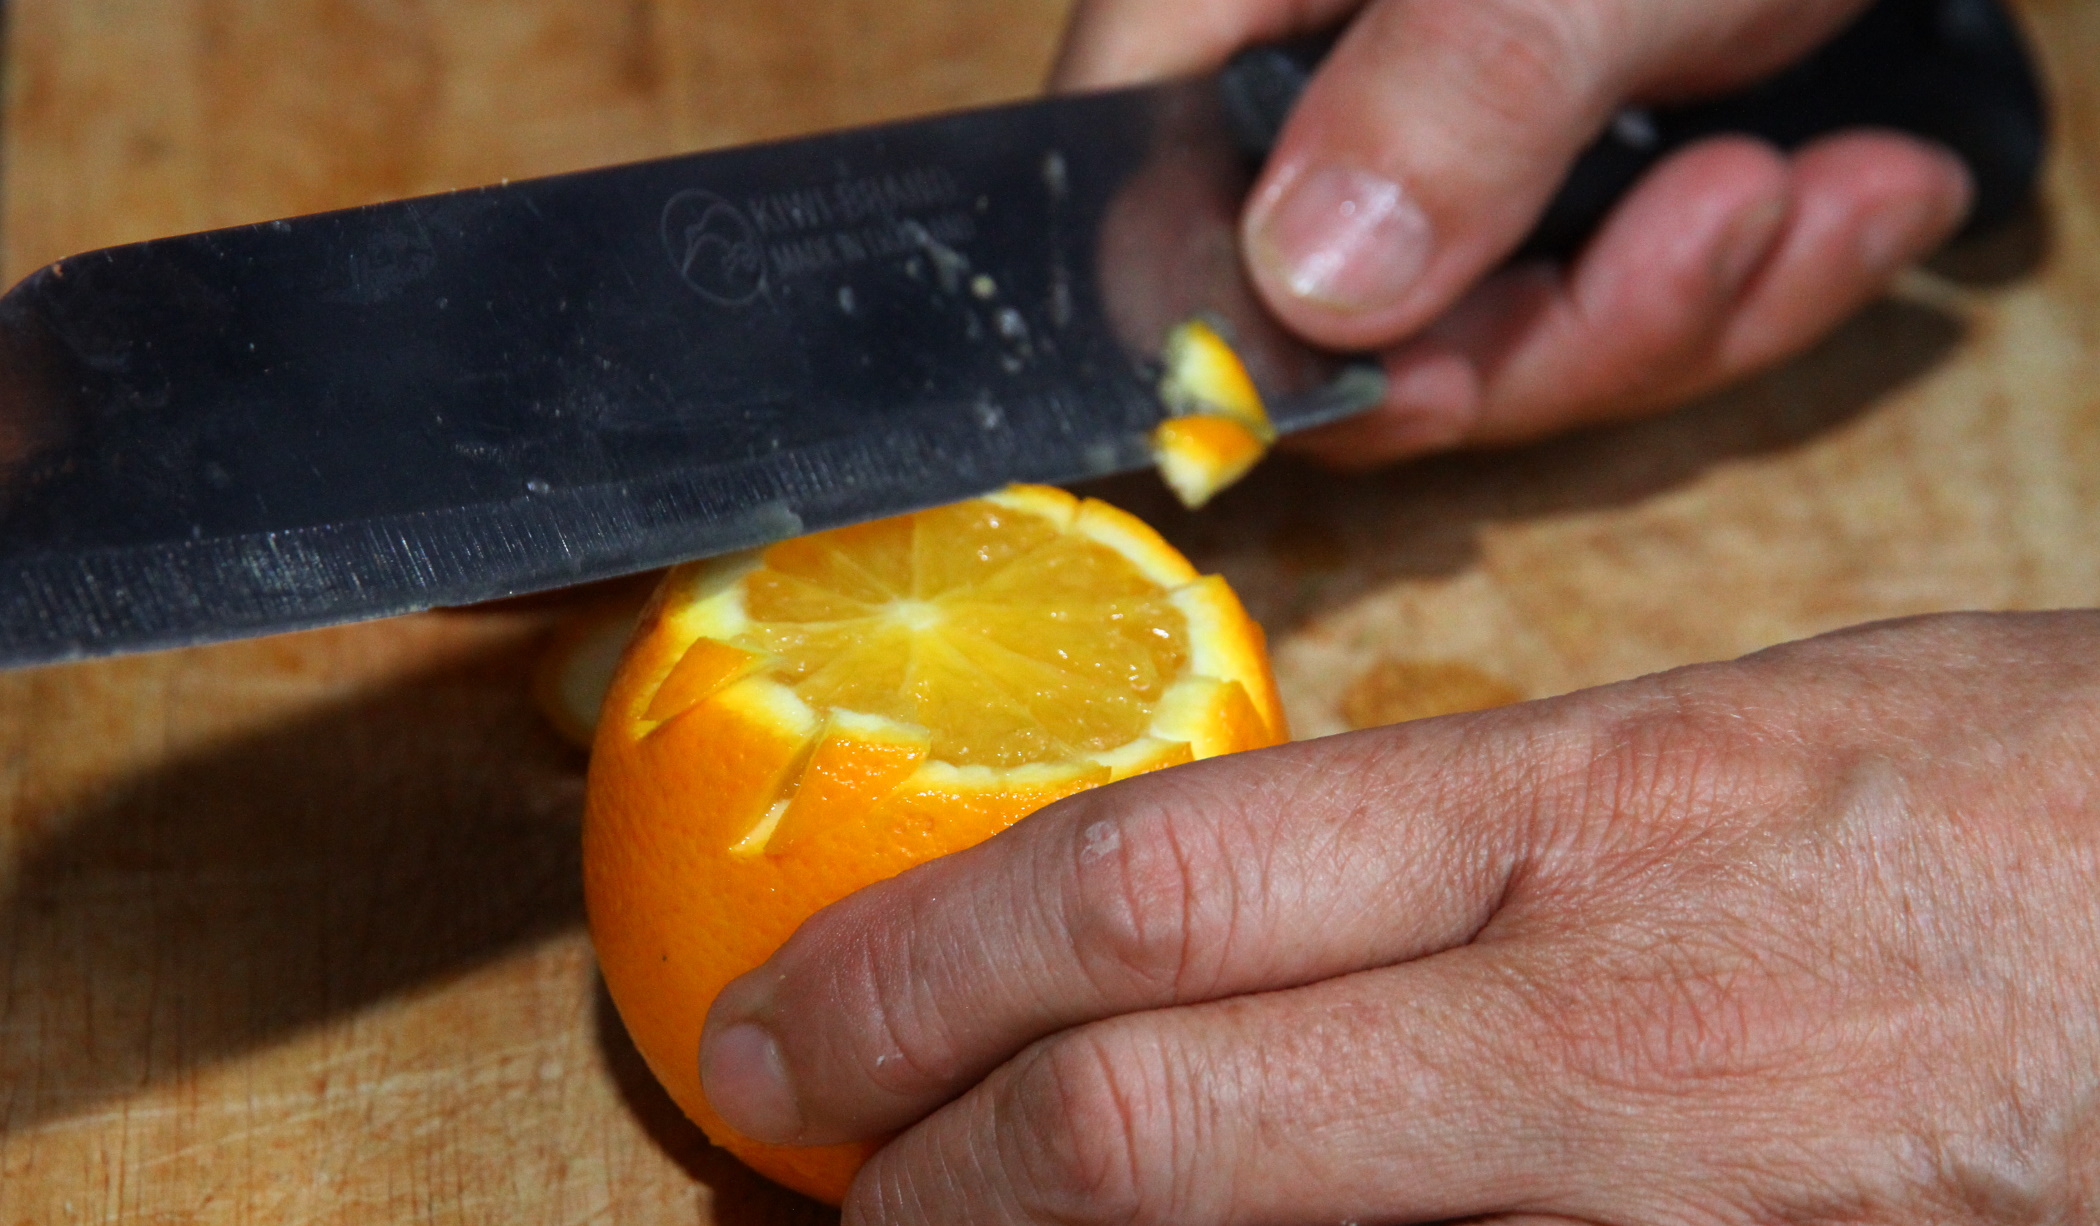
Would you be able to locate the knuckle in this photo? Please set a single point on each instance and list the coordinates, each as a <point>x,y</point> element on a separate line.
<point>1082,1113</point>
<point>1145,898</point>
<point>1667,764</point>
<point>1520,60</point>
<point>902,1046</point>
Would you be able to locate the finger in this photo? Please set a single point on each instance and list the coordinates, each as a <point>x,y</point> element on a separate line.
<point>1111,43</point>
<point>1867,205</point>
<point>1178,887</point>
<point>1640,316</point>
<point>1639,330</point>
<point>1724,261</point>
<point>1409,1094</point>
<point>1434,134</point>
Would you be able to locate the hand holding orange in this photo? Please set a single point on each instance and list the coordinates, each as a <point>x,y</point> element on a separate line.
<point>789,726</point>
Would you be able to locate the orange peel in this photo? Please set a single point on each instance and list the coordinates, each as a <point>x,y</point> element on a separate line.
<point>1218,429</point>
<point>792,725</point>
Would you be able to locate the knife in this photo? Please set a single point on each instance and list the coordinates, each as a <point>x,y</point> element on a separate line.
<point>509,389</point>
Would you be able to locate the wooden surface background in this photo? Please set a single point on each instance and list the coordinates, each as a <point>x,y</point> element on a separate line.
<point>290,930</point>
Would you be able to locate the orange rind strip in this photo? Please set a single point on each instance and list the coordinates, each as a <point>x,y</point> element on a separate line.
<point>1219,428</point>
<point>1200,457</point>
<point>857,763</point>
<point>707,667</point>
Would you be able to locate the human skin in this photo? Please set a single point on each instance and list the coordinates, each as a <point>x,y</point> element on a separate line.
<point>1440,128</point>
<point>1812,936</point>
<point>1807,937</point>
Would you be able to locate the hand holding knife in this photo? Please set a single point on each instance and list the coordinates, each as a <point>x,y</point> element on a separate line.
<point>515,388</point>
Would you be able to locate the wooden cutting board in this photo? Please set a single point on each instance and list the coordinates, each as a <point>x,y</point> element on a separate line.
<point>290,930</point>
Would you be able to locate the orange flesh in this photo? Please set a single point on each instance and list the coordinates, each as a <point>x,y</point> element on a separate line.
<point>1009,641</point>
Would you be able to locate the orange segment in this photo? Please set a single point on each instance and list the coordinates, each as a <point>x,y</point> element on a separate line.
<point>1134,540</point>
<point>792,725</point>
<point>869,563</point>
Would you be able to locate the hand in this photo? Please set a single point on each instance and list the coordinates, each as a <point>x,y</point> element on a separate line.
<point>1813,936</point>
<point>1431,140</point>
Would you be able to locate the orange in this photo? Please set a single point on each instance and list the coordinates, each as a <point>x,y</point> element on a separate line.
<point>787,727</point>
<point>575,671</point>
<point>1219,428</point>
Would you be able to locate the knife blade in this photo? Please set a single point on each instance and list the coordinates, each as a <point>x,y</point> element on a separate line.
<point>514,388</point>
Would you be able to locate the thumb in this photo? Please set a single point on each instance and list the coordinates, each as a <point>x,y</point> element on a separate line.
<point>1437,130</point>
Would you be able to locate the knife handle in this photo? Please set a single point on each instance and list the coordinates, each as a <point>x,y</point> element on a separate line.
<point>1953,71</point>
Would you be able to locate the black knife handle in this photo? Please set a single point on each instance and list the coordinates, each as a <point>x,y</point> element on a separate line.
<point>1954,71</point>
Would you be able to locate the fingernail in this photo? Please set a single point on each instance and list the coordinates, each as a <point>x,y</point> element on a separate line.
<point>746,1082</point>
<point>1744,245</point>
<point>1344,238</point>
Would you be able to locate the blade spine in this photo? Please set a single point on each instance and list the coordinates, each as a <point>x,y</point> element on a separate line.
<point>806,139</point>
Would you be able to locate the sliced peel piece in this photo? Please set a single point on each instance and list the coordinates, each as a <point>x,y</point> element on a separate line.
<point>1227,644</point>
<point>1200,457</point>
<point>1204,377</point>
<point>859,760</point>
<point>706,668</point>
<point>1147,754</point>
<point>924,810</point>
<point>1219,428</point>
<point>1210,715</point>
<point>742,747</point>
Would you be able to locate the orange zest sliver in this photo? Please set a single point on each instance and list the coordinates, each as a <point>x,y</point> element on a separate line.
<point>703,671</point>
<point>790,726</point>
<point>1219,429</point>
<point>1205,376</point>
<point>1199,457</point>
<point>858,761</point>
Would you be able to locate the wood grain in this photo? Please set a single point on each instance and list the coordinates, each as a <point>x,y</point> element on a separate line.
<point>289,930</point>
